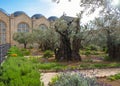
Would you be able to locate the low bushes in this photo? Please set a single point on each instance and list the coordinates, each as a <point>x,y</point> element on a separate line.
<point>18,71</point>
<point>47,54</point>
<point>74,79</point>
<point>99,65</point>
<point>114,77</point>
<point>25,52</point>
<point>15,51</point>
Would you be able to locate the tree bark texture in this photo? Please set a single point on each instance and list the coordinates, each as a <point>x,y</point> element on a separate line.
<point>64,53</point>
<point>113,49</point>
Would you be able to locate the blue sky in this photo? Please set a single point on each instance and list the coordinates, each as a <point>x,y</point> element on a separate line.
<point>29,6</point>
<point>45,7</point>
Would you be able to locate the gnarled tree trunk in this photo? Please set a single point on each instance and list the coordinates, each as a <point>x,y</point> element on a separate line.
<point>75,49</point>
<point>64,53</point>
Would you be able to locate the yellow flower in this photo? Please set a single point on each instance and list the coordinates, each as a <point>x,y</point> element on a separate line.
<point>14,55</point>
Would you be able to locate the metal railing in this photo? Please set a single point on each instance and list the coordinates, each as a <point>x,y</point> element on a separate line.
<point>3,51</point>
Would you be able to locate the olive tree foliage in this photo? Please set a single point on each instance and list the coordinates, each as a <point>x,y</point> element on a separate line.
<point>108,25</point>
<point>23,38</point>
<point>46,39</point>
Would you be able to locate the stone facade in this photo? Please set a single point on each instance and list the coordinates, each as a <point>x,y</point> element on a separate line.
<point>13,21</point>
<point>5,19</point>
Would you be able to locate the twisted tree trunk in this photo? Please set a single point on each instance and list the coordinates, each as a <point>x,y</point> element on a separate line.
<point>75,49</point>
<point>113,49</point>
<point>64,53</point>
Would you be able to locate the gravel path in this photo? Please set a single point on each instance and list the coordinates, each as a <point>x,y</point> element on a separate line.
<point>46,77</point>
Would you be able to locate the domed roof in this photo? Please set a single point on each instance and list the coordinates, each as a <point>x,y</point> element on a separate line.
<point>2,10</point>
<point>37,16</point>
<point>18,13</point>
<point>52,18</point>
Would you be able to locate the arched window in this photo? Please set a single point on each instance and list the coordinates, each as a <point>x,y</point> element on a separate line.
<point>2,32</point>
<point>43,26</point>
<point>23,27</point>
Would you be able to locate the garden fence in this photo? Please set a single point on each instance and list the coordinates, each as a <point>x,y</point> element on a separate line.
<point>3,51</point>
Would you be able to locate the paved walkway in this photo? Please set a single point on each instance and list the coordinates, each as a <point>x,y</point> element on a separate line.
<point>46,77</point>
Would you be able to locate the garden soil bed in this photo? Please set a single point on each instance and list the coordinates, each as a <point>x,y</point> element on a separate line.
<point>112,83</point>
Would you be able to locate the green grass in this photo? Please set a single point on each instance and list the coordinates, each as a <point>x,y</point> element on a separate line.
<point>92,52</point>
<point>98,65</point>
<point>84,65</point>
<point>114,77</point>
<point>50,66</point>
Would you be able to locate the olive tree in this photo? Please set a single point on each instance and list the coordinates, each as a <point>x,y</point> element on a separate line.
<point>110,30</point>
<point>46,39</point>
<point>71,35</point>
<point>108,23</point>
<point>23,38</point>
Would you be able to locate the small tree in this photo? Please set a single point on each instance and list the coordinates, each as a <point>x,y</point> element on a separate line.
<point>46,39</point>
<point>22,38</point>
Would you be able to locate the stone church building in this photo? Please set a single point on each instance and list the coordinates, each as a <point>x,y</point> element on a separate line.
<point>19,21</point>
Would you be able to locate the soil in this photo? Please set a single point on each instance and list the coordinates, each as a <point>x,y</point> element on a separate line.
<point>113,83</point>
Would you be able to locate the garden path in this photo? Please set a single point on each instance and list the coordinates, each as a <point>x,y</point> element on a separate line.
<point>46,77</point>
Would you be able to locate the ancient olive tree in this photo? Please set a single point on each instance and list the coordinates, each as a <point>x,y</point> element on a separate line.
<point>71,35</point>
<point>108,23</point>
<point>23,38</point>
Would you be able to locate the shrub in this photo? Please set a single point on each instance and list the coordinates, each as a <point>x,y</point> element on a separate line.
<point>73,79</point>
<point>107,58</point>
<point>2,84</point>
<point>14,50</point>
<point>19,72</point>
<point>48,54</point>
<point>87,53</point>
<point>25,52</point>
<point>31,47</point>
<point>92,47</point>
<point>105,49</point>
<point>114,77</point>
<point>95,53</point>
